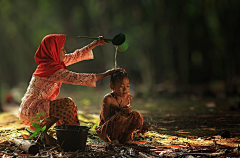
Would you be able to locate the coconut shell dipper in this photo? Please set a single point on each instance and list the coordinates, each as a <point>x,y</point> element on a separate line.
<point>119,41</point>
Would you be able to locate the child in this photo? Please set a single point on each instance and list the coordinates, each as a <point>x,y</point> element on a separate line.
<point>117,120</point>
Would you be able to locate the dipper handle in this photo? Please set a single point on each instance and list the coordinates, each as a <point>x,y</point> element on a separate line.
<point>95,38</point>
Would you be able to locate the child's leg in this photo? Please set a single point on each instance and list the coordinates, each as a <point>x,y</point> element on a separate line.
<point>133,122</point>
<point>111,128</point>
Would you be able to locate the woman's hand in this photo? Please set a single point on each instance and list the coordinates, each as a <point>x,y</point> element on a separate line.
<point>108,73</point>
<point>101,41</point>
<point>98,42</point>
<point>111,71</point>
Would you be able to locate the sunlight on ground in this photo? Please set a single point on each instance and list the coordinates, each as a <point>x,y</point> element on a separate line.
<point>10,123</point>
<point>174,123</point>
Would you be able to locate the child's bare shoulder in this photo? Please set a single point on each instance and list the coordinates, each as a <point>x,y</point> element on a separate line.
<point>107,97</point>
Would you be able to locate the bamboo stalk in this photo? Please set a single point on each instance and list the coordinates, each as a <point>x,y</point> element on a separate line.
<point>27,146</point>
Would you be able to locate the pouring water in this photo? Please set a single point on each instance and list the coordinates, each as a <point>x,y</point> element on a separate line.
<point>115,65</point>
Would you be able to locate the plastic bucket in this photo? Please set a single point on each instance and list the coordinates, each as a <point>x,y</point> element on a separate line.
<point>72,137</point>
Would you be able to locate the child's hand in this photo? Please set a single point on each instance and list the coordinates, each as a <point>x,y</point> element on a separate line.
<point>126,110</point>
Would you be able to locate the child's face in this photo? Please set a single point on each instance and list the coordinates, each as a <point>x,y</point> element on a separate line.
<point>122,87</point>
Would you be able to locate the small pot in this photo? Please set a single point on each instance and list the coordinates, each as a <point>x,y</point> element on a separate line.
<point>72,137</point>
<point>119,41</point>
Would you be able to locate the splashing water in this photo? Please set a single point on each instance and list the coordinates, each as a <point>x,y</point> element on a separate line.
<point>116,58</point>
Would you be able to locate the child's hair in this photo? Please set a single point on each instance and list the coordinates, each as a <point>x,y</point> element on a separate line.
<point>118,76</point>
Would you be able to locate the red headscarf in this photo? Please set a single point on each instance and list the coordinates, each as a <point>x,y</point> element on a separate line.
<point>48,55</point>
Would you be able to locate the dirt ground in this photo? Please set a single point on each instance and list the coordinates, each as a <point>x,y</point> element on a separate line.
<point>185,115</point>
<point>173,123</point>
<point>197,125</point>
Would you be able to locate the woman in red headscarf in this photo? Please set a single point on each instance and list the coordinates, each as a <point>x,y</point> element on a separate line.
<point>47,79</point>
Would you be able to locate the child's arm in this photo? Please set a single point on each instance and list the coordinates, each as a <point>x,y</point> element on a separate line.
<point>128,108</point>
<point>131,98</point>
<point>106,108</point>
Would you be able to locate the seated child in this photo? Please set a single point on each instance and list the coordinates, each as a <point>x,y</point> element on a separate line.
<point>117,120</point>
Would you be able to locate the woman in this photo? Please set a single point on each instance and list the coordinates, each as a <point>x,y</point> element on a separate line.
<point>47,79</point>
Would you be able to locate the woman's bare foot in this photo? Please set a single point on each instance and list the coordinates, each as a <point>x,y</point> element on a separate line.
<point>115,142</point>
<point>128,142</point>
<point>49,141</point>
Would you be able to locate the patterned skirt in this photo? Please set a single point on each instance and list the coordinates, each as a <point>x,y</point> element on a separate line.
<point>120,127</point>
<point>65,110</point>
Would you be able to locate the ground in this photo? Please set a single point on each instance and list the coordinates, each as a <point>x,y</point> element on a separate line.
<point>179,126</point>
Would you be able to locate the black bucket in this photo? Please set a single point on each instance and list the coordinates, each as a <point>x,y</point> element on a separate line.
<point>72,137</point>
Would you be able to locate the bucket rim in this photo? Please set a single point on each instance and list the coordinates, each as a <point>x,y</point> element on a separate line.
<point>63,127</point>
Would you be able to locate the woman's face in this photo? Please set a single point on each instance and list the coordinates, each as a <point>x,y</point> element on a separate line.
<point>122,87</point>
<point>62,54</point>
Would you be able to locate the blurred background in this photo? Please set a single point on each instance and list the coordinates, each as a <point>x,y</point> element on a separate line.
<point>187,48</point>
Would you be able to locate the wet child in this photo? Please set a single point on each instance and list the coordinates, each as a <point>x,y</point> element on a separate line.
<point>117,120</point>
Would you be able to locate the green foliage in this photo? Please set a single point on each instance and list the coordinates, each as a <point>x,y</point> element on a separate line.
<point>182,42</point>
<point>38,128</point>
<point>36,117</point>
<point>94,126</point>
